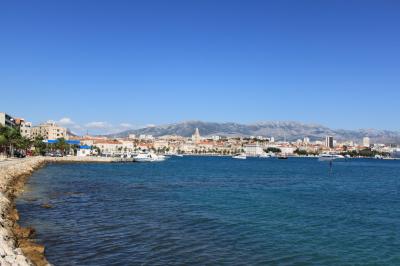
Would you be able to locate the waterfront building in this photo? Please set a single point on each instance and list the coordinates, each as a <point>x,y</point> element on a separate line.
<point>160,144</point>
<point>253,149</point>
<point>49,131</point>
<point>206,145</point>
<point>287,150</point>
<point>188,147</point>
<point>329,142</point>
<point>6,120</point>
<point>366,142</point>
<point>109,147</point>
<point>83,151</point>
<point>396,153</point>
<point>127,145</point>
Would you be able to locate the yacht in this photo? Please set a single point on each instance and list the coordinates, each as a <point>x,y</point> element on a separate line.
<point>158,158</point>
<point>240,156</point>
<point>149,157</point>
<point>175,154</point>
<point>329,157</point>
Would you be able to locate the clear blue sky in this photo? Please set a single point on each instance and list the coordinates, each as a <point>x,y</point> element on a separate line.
<point>152,62</point>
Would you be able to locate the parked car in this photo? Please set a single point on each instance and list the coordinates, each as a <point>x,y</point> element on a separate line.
<point>54,154</point>
<point>19,154</point>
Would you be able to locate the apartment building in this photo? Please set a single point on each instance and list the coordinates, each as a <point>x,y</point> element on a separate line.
<point>6,120</point>
<point>49,131</point>
<point>25,128</point>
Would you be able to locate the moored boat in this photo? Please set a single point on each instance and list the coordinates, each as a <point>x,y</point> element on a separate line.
<point>149,157</point>
<point>240,156</point>
<point>330,157</point>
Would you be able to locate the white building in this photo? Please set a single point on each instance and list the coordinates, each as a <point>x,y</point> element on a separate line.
<point>83,151</point>
<point>366,142</point>
<point>215,138</point>
<point>146,137</point>
<point>329,142</point>
<point>160,144</point>
<point>127,145</point>
<point>253,150</point>
<point>287,150</point>
<point>109,147</point>
<point>6,120</point>
<point>25,128</point>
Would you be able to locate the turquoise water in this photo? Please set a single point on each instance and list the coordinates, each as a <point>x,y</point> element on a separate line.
<point>217,211</point>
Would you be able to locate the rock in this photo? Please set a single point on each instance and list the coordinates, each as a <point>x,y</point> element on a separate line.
<point>47,206</point>
<point>21,260</point>
<point>29,247</point>
<point>13,215</point>
<point>24,232</point>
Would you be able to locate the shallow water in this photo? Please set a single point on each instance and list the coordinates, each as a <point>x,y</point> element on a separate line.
<point>217,211</point>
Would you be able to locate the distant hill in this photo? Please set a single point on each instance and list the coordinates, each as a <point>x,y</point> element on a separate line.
<point>278,129</point>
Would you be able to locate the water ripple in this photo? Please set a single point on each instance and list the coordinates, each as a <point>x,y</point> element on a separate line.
<point>217,211</point>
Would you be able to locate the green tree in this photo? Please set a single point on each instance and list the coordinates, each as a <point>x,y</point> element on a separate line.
<point>301,152</point>
<point>12,140</point>
<point>273,149</point>
<point>62,145</point>
<point>39,145</point>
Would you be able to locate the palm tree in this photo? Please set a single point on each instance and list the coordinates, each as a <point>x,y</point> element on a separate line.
<point>23,144</point>
<point>11,136</point>
<point>62,145</point>
<point>11,139</point>
<point>40,146</point>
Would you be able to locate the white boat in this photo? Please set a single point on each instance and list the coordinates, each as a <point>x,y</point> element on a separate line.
<point>264,155</point>
<point>240,156</point>
<point>329,157</point>
<point>174,154</point>
<point>149,157</point>
<point>158,158</point>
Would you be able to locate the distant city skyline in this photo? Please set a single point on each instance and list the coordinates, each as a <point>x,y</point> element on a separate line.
<point>106,128</point>
<point>107,66</point>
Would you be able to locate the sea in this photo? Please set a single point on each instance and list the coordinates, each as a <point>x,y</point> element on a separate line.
<point>217,211</point>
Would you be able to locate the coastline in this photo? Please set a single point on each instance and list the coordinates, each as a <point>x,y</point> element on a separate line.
<point>17,245</point>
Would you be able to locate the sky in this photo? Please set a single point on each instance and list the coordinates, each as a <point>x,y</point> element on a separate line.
<point>105,66</point>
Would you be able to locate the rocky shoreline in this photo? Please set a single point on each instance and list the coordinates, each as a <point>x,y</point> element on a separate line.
<point>17,246</point>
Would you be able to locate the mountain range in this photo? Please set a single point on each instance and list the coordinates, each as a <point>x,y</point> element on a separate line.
<point>278,129</point>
